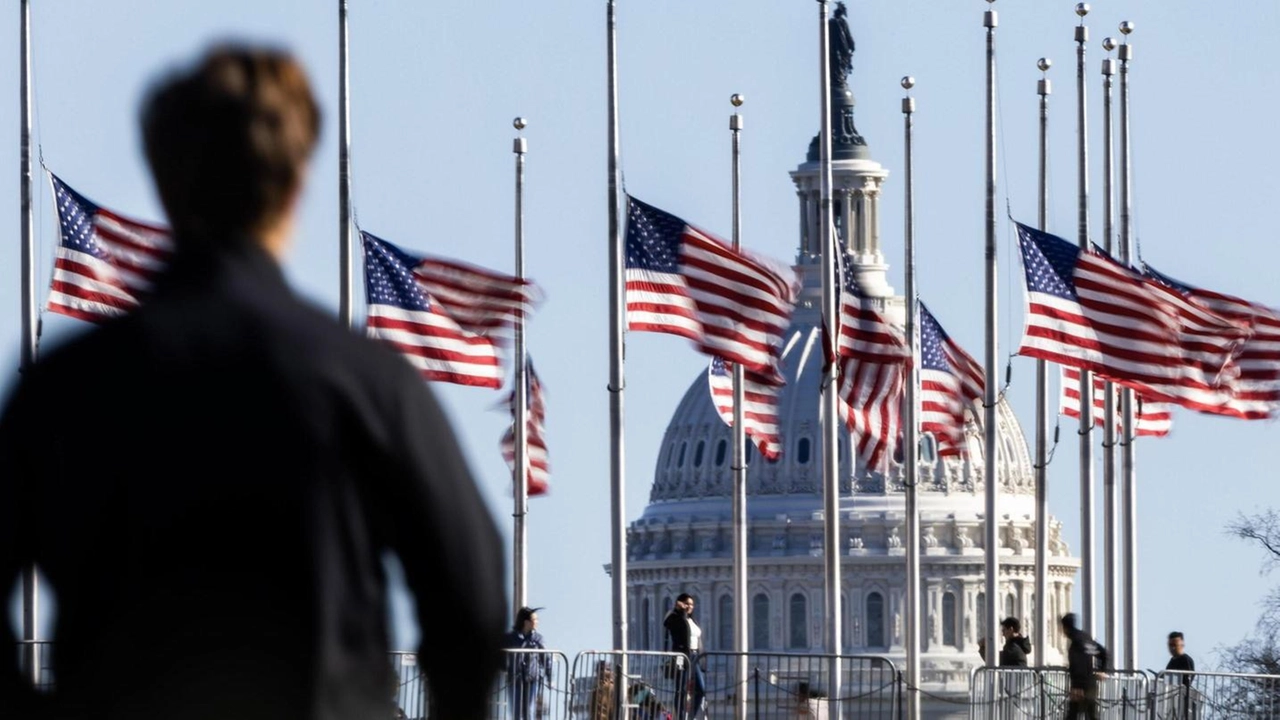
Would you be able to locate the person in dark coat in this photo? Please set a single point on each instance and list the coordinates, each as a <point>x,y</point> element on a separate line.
<point>684,636</point>
<point>1087,661</point>
<point>1016,646</point>
<point>211,483</point>
<point>527,672</point>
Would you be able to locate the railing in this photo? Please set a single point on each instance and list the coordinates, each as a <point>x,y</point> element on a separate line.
<point>1018,693</point>
<point>780,686</point>
<point>1180,695</point>
<point>41,653</point>
<point>654,686</point>
<point>533,685</point>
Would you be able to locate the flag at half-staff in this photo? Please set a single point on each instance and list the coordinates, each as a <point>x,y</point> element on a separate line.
<point>1153,419</point>
<point>538,481</point>
<point>950,381</point>
<point>105,262</point>
<point>1257,391</point>
<point>685,281</point>
<point>759,408</point>
<point>449,319</point>
<point>1087,311</point>
<point>873,356</point>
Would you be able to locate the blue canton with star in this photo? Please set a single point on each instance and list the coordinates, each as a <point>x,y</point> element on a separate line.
<point>932,336</point>
<point>388,276</point>
<point>1049,262</point>
<point>718,366</point>
<point>654,238</point>
<point>75,221</point>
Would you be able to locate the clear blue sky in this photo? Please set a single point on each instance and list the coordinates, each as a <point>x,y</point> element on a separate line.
<point>435,86</point>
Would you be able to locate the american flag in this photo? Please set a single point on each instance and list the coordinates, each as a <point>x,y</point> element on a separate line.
<point>1085,310</point>
<point>1257,390</point>
<point>536,446</point>
<point>687,282</point>
<point>950,381</point>
<point>759,405</point>
<point>1153,419</point>
<point>873,358</point>
<point>454,340</point>
<point>105,263</point>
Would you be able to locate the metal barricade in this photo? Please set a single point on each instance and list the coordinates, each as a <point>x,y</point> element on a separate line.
<point>1178,695</point>
<point>533,685</point>
<point>780,686</point>
<point>411,692</point>
<point>41,653</point>
<point>1012,693</point>
<point>1124,695</point>
<point>656,685</point>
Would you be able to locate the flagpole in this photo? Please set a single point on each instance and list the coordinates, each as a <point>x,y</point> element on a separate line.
<point>617,470</point>
<point>30,327</point>
<point>1111,557</point>
<point>911,419</point>
<point>1086,378</point>
<point>739,452</point>
<point>520,470</point>
<point>345,315</point>
<point>1128,471</point>
<point>1041,635</point>
<point>992,397</point>
<point>830,386</point>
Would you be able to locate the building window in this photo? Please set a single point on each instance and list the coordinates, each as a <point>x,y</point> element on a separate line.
<point>725,618</point>
<point>697,453</point>
<point>799,639</point>
<point>720,452</point>
<point>760,622</point>
<point>680,462</point>
<point>875,621</point>
<point>846,629</point>
<point>646,625</point>
<point>949,619</point>
<point>981,606</point>
<point>802,451</point>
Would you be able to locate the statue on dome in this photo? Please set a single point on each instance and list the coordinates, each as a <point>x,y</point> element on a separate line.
<point>841,49</point>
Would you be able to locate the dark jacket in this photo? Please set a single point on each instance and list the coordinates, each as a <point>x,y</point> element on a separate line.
<point>1015,652</point>
<point>210,485</point>
<point>677,626</point>
<point>527,666</point>
<point>1085,657</point>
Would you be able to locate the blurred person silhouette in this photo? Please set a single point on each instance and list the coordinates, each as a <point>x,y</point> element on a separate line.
<point>211,483</point>
<point>1087,663</point>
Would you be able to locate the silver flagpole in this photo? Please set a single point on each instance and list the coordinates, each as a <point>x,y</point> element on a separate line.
<point>345,315</point>
<point>1111,557</point>
<point>1128,471</point>
<point>739,454</point>
<point>520,472</point>
<point>617,306</point>
<point>992,535</point>
<point>830,385</point>
<point>1087,614</point>
<point>1041,634</point>
<point>911,420</point>
<point>30,583</point>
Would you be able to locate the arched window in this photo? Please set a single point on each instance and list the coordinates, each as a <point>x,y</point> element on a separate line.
<point>720,452</point>
<point>981,608</point>
<point>802,451</point>
<point>697,453</point>
<point>799,636</point>
<point>646,625</point>
<point>949,619</point>
<point>683,447</point>
<point>760,622</point>
<point>875,621</point>
<point>724,616</point>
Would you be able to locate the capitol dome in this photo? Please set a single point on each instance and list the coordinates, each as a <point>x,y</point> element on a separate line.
<point>683,541</point>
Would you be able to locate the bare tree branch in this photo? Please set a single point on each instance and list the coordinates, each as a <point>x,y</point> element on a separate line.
<point>1263,529</point>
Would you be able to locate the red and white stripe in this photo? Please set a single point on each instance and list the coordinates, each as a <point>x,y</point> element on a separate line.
<point>479,300</point>
<point>759,407</point>
<point>437,345</point>
<point>871,402</point>
<point>945,395</point>
<point>539,474</point>
<point>1153,419</point>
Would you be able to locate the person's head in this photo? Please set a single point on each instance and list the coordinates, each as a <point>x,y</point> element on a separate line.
<point>1069,623</point>
<point>228,141</point>
<point>1010,627</point>
<point>685,603</point>
<point>526,619</point>
<point>982,648</point>
<point>1177,645</point>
